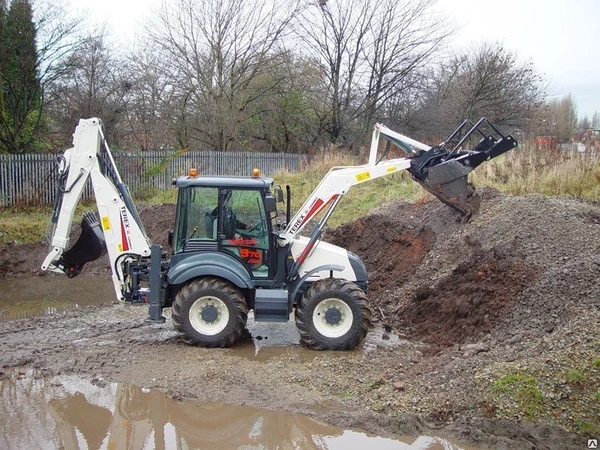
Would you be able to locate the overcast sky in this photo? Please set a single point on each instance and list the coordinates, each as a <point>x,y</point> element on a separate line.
<point>561,37</point>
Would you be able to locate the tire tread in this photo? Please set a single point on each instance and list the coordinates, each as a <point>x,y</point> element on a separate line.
<point>308,336</point>
<point>183,326</point>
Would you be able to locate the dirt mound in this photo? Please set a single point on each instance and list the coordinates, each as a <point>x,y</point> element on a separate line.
<point>464,304</point>
<point>21,259</point>
<point>158,220</point>
<point>519,267</point>
<point>391,250</point>
<point>468,302</point>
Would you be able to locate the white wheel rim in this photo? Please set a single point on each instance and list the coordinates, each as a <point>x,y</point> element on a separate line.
<point>203,326</point>
<point>335,306</point>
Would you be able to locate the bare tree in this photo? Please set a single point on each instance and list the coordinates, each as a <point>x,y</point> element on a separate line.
<point>368,53</point>
<point>59,33</point>
<point>90,86</point>
<point>485,81</point>
<point>150,103</point>
<point>218,49</point>
<point>287,118</point>
<point>584,123</point>
<point>558,118</point>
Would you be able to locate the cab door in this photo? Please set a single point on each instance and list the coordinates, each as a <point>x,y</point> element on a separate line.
<point>244,229</point>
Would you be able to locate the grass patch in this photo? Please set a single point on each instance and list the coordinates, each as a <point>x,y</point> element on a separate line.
<point>30,224</point>
<point>597,396</point>
<point>160,197</point>
<point>522,389</point>
<point>25,225</point>
<point>528,170</point>
<point>596,363</point>
<point>588,429</point>
<point>575,376</point>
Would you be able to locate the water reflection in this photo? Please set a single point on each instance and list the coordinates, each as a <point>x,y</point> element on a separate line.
<point>72,413</point>
<point>34,296</point>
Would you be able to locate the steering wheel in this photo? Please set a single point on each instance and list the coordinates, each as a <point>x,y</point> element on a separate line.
<point>255,231</point>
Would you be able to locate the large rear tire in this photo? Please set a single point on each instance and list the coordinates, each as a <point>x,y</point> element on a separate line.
<point>333,314</point>
<point>209,312</point>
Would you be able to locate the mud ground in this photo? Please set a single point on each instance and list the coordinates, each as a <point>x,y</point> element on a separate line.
<point>494,324</point>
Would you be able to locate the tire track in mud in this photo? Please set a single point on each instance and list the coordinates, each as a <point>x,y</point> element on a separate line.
<point>73,341</point>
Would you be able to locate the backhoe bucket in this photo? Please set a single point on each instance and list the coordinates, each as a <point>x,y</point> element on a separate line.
<point>443,170</point>
<point>89,247</point>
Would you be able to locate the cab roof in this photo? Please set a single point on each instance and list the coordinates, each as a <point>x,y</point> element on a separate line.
<point>223,181</point>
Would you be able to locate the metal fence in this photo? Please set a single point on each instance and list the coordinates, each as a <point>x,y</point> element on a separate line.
<point>32,178</point>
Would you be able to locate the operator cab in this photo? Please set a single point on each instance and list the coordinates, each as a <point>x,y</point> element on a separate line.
<point>227,214</point>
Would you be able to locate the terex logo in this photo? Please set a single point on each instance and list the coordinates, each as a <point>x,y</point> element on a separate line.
<point>303,216</point>
<point>298,223</point>
<point>125,229</point>
<point>125,217</point>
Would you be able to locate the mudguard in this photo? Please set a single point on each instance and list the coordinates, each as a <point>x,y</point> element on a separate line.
<point>186,266</point>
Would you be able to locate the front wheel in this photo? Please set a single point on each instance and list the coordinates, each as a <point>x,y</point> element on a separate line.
<point>209,312</point>
<point>333,314</point>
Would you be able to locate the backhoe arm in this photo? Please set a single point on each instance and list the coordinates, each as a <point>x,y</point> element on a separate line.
<point>118,231</point>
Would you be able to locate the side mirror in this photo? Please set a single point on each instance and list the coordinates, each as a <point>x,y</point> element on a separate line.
<point>170,238</point>
<point>270,203</point>
<point>279,195</point>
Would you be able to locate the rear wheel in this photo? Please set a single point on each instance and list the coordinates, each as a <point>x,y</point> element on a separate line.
<point>333,314</point>
<point>209,312</point>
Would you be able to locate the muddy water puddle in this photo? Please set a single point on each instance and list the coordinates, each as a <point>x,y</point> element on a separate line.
<point>73,413</point>
<point>269,340</point>
<point>35,296</point>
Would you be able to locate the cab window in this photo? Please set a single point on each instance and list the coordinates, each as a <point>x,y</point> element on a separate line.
<point>197,218</point>
<point>244,231</point>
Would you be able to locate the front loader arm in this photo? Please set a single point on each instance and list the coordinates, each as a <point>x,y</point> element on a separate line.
<point>442,170</point>
<point>118,231</point>
<point>339,180</point>
<point>336,183</point>
<point>438,169</point>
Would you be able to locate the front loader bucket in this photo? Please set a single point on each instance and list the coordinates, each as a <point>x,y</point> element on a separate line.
<point>455,192</point>
<point>449,182</point>
<point>89,247</point>
<point>443,170</point>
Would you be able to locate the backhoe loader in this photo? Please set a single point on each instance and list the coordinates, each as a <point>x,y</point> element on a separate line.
<point>229,252</point>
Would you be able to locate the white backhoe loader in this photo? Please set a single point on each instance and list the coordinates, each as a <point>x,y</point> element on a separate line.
<point>230,255</point>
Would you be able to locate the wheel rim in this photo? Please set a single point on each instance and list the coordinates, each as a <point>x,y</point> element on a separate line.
<point>209,315</point>
<point>332,318</point>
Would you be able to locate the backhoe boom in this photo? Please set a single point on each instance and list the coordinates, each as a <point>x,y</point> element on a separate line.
<point>118,231</point>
